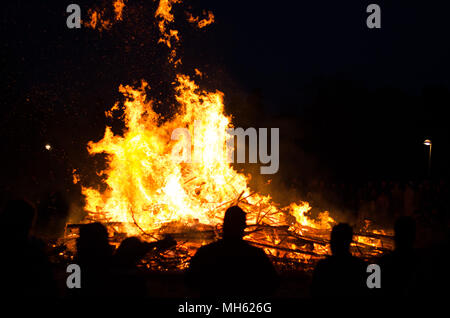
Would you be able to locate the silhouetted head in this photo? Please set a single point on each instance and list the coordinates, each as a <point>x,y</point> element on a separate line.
<point>234,223</point>
<point>17,219</point>
<point>130,251</point>
<point>405,232</point>
<point>341,237</point>
<point>92,242</point>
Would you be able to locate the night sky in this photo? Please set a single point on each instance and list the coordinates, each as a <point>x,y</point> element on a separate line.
<point>351,103</point>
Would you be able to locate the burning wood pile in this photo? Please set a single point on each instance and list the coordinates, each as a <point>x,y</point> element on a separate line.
<point>290,245</point>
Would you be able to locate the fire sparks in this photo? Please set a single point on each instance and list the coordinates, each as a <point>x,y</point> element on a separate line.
<point>98,18</point>
<point>165,17</point>
<point>201,23</point>
<point>75,176</point>
<point>96,21</point>
<point>118,8</point>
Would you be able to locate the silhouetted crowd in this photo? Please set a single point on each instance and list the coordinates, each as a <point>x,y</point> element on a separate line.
<point>229,267</point>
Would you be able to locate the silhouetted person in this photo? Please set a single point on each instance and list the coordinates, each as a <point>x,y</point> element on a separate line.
<point>399,268</point>
<point>25,270</point>
<point>130,251</point>
<point>341,275</point>
<point>231,266</point>
<point>94,256</point>
<point>127,276</point>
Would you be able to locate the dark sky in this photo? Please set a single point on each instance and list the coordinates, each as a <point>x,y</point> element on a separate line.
<point>287,44</point>
<point>352,103</point>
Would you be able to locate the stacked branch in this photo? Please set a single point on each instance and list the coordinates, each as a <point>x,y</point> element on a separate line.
<point>286,243</point>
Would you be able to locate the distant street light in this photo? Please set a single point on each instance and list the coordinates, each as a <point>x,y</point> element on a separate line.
<point>427,142</point>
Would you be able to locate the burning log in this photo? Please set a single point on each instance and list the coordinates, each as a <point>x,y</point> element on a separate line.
<point>285,249</point>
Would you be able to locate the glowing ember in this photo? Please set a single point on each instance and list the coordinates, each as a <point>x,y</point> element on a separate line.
<point>118,8</point>
<point>165,17</point>
<point>98,20</point>
<point>201,23</point>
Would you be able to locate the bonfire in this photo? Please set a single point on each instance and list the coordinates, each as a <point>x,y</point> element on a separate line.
<point>147,193</point>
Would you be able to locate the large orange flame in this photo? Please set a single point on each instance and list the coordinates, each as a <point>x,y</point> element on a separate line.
<point>147,186</point>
